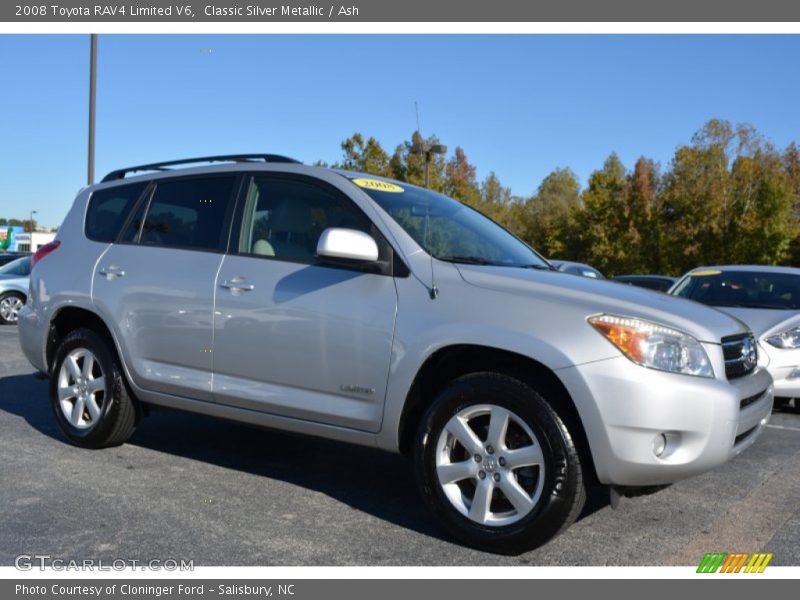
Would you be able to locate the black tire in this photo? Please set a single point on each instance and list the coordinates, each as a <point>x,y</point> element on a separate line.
<point>563,494</point>
<point>7,295</point>
<point>117,418</point>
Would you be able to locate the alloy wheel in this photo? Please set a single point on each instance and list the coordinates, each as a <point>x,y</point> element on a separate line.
<point>9,308</point>
<point>81,388</point>
<point>490,465</point>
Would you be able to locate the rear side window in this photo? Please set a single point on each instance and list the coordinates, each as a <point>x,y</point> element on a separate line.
<point>108,210</point>
<point>188,213</point>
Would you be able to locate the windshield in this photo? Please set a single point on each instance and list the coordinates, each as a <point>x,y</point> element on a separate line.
<point>20,267</point>
<point>449,230</point>
<point>746,289</point>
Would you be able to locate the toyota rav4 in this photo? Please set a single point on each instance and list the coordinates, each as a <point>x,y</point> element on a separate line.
<point>372,311</point>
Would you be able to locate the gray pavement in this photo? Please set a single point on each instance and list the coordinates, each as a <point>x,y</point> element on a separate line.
<point>190,487</point>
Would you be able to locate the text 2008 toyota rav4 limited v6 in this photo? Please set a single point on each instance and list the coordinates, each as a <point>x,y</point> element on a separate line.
<point>371,311</point>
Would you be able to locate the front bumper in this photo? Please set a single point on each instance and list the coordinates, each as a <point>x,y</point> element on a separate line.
<point>625,408</point>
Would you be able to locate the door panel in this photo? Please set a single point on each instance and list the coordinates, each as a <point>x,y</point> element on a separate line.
<point>161,307</point>
<point>155,286</point>
<point>306,341</point>
<point>294,337</point>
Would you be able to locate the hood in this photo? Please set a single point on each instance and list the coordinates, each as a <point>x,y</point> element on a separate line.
<point>764,321</point>
<point>595,296</point>
<point>23,281</point>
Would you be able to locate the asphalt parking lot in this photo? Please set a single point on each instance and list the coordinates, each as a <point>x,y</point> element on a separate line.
<point>190,487</point>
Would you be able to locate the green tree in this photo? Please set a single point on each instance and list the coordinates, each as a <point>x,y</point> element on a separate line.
<point>791,164</point>
<point>497,203</point>
<point>546,215</point>
<point>365,156</point>
<point>607,232</point>
<point>727,199</point>
<point>765,223</point>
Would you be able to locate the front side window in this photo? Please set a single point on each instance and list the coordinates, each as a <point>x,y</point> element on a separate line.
<point>284,218</point>
<point>187,213</point>
<point>108,210</point>
<point>745,289</point>
<point>449,230</point>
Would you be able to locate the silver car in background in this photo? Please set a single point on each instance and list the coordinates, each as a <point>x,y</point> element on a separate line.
<point>372,311</point>
<point>13,288</point>
<point>767,300</point>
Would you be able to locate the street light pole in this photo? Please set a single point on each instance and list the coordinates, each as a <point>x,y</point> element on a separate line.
<point>428,150</point>
<point>92,94</point>
<point>30,225</point>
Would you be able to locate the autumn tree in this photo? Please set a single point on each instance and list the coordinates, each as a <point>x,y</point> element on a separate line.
<point>460,181</point>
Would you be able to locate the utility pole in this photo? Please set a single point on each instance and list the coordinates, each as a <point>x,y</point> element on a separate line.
<point>92,95</point>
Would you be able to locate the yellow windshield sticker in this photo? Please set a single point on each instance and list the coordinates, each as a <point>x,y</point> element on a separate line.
<point>704,273</point>
<point>377,184</point>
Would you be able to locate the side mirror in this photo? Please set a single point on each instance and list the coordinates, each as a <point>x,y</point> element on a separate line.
<point>347,245</point>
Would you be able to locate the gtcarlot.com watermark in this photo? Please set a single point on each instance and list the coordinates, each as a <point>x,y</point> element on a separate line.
<point>42,562</point>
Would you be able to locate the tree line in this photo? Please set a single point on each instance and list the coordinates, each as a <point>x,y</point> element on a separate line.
<point>727,197</point>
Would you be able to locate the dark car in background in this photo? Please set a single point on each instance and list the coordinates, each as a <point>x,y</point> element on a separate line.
<point>576,268</point>
<point>660,283</point>
<point>7,257</point>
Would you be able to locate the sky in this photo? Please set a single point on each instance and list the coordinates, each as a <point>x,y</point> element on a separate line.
<point>520,106</point>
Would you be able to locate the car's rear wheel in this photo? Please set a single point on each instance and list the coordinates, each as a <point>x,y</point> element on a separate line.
<point>10,305</point>
<point>88,392</point>
<point>497,466</point>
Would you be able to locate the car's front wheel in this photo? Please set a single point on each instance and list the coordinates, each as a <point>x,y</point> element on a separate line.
<point>88,392</point>
<point>10,305</point>
<point>497,466</point>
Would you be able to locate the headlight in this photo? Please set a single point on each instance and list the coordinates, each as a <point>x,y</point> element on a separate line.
<point>788,339</point>
<point>654,346</point>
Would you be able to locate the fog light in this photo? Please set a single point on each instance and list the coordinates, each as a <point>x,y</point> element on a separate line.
<point>659,444</point>
<point>794,374</point>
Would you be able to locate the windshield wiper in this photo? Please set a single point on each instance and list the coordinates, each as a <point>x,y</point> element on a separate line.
<point>752,305</point>
<point>469,260</point>
<point>537,267</point>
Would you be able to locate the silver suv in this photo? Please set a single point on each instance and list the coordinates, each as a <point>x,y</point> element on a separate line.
<point>371,311</point>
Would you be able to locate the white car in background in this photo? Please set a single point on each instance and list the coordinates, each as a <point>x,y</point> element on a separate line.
<point>767,300</point>
<point>14,278</point>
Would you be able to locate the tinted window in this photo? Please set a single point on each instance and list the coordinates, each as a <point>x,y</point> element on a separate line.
<point>748,289</point>
<point>285,217</point>
<point>188,213</point>
<point>108,210</point>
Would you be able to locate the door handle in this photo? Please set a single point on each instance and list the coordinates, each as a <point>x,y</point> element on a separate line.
<point>237,284</point>
<point>111,272</point>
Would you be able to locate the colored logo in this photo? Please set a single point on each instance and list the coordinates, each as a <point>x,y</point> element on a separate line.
<point>737,562</point>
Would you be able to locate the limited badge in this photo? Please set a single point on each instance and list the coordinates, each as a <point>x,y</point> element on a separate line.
<point>377,184</point>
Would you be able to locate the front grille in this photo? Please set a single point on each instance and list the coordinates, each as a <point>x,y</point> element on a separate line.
<point>748,401</point>
<point>741,355</point>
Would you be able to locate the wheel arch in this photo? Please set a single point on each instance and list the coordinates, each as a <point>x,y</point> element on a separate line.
<point>451,362</point>
<point>69,318</point>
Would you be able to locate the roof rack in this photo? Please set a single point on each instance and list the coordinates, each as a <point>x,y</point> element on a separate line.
<point>162,166</point>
